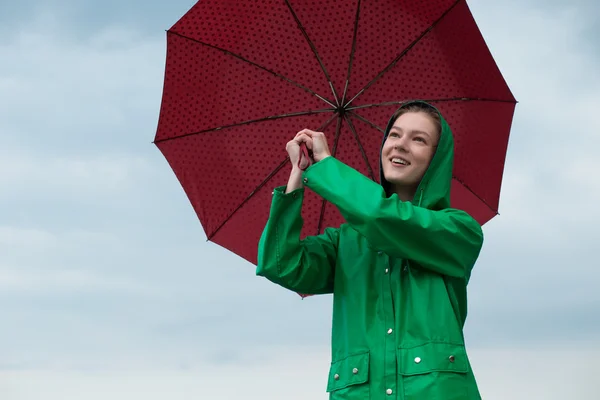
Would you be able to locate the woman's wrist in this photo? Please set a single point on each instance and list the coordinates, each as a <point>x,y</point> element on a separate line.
<point>295,180</point>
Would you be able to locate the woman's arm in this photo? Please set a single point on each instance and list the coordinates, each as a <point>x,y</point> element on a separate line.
<point>304,266</point>
<point>447,242</point>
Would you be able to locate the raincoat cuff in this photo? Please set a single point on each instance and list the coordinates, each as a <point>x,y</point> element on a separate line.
<point>309,171</point>
<point>284,203</point>
<point>318,176</point>
<point>279,192</point>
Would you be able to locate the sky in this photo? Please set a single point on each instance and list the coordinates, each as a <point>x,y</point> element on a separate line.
<point>109,289</point>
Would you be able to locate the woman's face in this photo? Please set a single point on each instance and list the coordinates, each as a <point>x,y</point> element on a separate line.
<point>408,150</point>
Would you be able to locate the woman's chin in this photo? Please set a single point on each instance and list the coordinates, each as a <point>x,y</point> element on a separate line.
<point>397,181</point>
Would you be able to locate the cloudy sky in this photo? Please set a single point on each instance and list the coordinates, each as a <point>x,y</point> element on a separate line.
<point>109,289</point>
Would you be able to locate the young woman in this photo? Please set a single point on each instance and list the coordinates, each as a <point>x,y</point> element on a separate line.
<point>398,267</point>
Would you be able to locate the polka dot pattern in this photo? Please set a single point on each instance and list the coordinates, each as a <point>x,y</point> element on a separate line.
<point>205,89</point>
<point>242,231</point>
<point>386,29</point>
<point>322,18</point>
<point>262,31</point>
<point>242,77</point>
<point>481,129</point>
<point>370,139</point>
<point>451,61</point>
<point>220,169</point>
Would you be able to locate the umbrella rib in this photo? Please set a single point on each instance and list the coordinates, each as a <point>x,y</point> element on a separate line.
<point>270,118</point>
<point>352,51</point>
<point>338,131</point>
<point>410,46</point>
<point>272,174</point>
<point>391,103</point>
<point>475,194</point>
<point>366,121</point>
<point>260,186</point>
<point>314,49</point>
<point>360,146</point>
<point>239,57</point>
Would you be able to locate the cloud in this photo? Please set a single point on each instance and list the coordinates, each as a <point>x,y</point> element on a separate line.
<point>79,282</point>
<point>60,281</point>
<point>66,93</point>
<point>534,372</point>
<point>206,382</point>
<point>75,178</point>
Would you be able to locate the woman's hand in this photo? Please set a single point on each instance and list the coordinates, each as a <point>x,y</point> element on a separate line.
<point>299,162</point>
<point>316,142</point>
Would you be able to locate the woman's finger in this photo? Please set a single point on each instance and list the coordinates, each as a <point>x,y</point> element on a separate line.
<point>310,133</point>
<point>304,138</point>
<point>301,133</point>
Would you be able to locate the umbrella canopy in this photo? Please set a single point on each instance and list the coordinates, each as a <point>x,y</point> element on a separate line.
<point>243,76</point>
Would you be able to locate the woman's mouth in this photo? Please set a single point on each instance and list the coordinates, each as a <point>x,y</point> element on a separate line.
<point>399,162</point>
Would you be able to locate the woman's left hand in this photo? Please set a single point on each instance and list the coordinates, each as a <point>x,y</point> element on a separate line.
<point>316,142</point>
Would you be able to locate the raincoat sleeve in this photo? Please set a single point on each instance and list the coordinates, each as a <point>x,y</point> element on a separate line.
<point>447,242</point>
<point>305,266</point>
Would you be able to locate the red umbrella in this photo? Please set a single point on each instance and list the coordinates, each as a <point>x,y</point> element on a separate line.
<point>242,77</point>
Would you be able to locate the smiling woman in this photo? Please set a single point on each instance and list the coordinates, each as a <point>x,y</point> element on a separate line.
<point>409,148</point>
<point>398,267</point>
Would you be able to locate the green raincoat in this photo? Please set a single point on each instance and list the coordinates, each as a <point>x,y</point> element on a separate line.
<point>398,272</point>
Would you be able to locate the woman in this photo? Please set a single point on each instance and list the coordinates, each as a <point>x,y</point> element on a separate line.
<point>398,267</point>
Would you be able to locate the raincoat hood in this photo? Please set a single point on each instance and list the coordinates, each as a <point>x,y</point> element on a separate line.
<point>434,190</point>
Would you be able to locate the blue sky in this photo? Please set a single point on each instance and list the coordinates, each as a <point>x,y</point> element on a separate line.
<point>108,288</point>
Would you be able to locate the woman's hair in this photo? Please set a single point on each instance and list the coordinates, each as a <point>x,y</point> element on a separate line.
<point>424,108</point>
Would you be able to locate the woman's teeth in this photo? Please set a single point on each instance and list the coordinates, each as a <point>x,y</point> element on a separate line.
<point>399,161</point>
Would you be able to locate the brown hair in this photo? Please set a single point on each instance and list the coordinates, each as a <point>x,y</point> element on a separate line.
<point>424,108</point>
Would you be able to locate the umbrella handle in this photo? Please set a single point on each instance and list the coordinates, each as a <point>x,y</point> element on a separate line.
<point>306,153</point>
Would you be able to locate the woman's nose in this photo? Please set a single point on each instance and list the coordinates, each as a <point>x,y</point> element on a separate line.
<point>400,144</point>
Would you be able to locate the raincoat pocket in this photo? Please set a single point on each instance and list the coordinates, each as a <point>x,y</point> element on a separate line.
<point>348,377</point>
<point>434,371</point>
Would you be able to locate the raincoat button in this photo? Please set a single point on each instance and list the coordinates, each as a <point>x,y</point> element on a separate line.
<point>336,377</point>
<point>380,252</point>
<point>390,331</point>
<point>451,358</point>
<point>389,391</point>
<point>417,360</point>
<point>355,371</point>
<point>305,180</point>
<point>387,270</point>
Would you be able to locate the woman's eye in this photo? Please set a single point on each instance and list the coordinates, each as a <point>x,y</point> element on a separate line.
<point>419,139</point>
